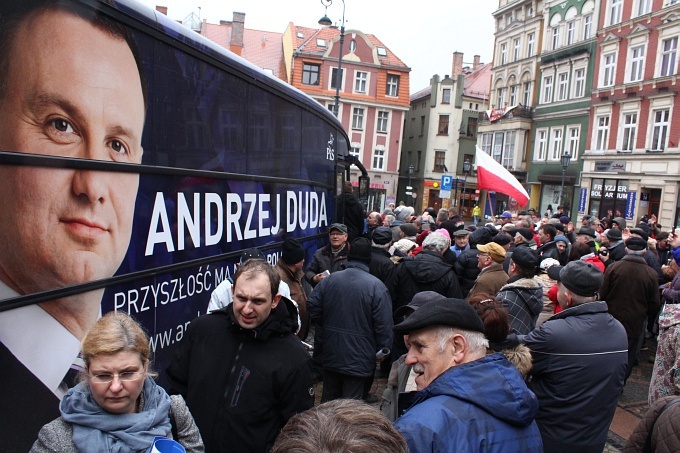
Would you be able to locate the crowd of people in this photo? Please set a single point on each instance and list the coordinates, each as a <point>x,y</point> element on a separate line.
<point>515,335</point>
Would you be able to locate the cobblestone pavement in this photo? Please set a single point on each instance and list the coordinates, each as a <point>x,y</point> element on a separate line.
<point>631,407</point>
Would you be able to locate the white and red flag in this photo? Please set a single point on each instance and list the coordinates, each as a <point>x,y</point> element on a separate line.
<point>492,176</point>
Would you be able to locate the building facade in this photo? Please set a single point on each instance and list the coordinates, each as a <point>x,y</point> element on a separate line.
<point>562,112</point>
<point>505,132</point>
<point>440,133</point>
<point>374,96</point>
<point>631,163</point>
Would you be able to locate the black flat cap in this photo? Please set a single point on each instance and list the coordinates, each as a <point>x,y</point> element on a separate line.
<point>587,231</point>
<point>444,312</point>
<point>382,235</point>
<point>636,244</point>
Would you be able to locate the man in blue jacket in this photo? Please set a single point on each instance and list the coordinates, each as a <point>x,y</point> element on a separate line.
<point>579,363</point>
<point>466,400</point>
<point>356,311</point>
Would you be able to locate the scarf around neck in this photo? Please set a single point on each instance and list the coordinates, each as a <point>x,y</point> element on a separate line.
<point>95,429</point>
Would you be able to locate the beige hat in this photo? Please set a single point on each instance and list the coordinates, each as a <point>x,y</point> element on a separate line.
<point>495,251</point>
<point>405,245</point>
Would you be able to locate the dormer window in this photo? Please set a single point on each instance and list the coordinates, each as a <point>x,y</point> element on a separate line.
<point>320,42</point>
<point>382,51</point>
<point>352,46</point>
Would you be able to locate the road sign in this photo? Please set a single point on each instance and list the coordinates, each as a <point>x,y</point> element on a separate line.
<point>444,194</point>
<point>447,182</point>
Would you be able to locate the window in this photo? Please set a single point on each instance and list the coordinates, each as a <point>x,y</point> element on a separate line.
<point>615,10</point>
<point>383,119</point>
<point>392,85</point>
<point>508,160</point>
<point>513,95</point>
<point>487,140</point>
<point>526,97</point>
<point>334,78</point>
<point>547,89</point>
<point>500,98</point>
<point>413,127</point>
<point>504,53</point>
<point>644,7</point>
<point>562,86</point>
<point>556,144</point>
<point>360,80</point>
<point>443,125</point>
<point>382,51</point>
<point>668,49</point>
<point>471,127</point>
<point>541,145</point>
<point>378,159</point>
<point>439,161</point>
<point>556,37</point>
<point>353,46</point>
<point>422,125</point>
<point>571,32</point>
<point>446,96</point>
<point>587,26</point>
<point>358,118</point>
<point>497,150</point>
<point>608,66</point>
<point>629,130</point>
<point>310,74</point>
<point>355,151</point>
<point>602,133</point>
<point>579,83</point>
<point>573,137</point>
<point>515,50</point>
<point>637,60</point>
<point>530,45</point>
<point>320,42</point>
<point>660,130</point>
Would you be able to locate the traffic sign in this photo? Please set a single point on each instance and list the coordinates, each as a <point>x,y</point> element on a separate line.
<point>447,182</point>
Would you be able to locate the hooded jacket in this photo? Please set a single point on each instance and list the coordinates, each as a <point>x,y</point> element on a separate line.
<point>523,298</point>
<point>351,213</point>
<point>427,271</point>
<point>242,385</point>
<point>482,405</point>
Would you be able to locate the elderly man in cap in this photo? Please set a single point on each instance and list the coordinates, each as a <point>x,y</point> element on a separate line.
<point>356,311</point>
<point>522,295</point>
<point>613,241</point>
<point>579,363</point>
<point>381,265</point>
<point>491,277</point>
<point>461,242</point>
<point>466,400</point>
<point>631,291</point>
<point>331,258</point>
<point>587,235</point>
<point>289,268</point>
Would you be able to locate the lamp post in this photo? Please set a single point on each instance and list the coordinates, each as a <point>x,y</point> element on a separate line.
<point>564,161</point>
<point>467,167</point>
<point>338,79</point>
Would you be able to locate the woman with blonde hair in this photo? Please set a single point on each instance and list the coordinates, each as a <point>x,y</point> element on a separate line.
<point>117,406</point>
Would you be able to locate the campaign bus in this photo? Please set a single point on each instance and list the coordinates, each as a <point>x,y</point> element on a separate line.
<point>137,160</point>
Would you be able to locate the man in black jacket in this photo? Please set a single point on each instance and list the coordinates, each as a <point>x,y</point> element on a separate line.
<point>241,370</point>
<point>350,212</point>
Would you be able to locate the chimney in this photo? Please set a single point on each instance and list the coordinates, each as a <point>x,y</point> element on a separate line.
<point>457,66</point>
<point>162,9</point>
<point>475,63</point>
<point>236,44</point>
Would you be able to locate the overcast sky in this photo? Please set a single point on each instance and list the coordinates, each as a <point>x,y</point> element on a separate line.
<point>422,33</point>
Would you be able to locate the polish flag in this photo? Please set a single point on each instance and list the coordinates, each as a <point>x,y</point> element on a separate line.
<point>492,176</point>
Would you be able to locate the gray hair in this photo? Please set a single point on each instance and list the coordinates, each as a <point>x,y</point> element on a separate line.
<point>381,246</point>
<point>437,242</point>
<point>476,341</point>
<point>443,215</point>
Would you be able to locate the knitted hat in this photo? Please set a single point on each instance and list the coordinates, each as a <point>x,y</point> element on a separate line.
<point>405,245</point>
<point>613,234</point>
<point>360,250</point>
<point>292,252</point>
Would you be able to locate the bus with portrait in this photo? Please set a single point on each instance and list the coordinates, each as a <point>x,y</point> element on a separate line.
<point>137,160</point>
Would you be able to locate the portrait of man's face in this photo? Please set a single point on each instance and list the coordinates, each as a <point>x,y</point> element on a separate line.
<point>71,90</point>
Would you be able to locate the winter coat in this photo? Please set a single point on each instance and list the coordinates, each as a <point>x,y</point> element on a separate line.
<point>427,271</point>
<point>631,290</point>
<point>617,251</point>
<point>523,298</point>
<point>242,385</point>
<point>466,269</point>
<point>297,293</point>
<point>664,438</point>
<point>324,260</point>
<point>350,212</point>
<point>579,365</point>
<point>490,280</point>
<point>357,319</point>
<point>482,405</point>
<point>549,250</point>
<point>548,304</point>
<point>381,265</point>
<point>665,379</point>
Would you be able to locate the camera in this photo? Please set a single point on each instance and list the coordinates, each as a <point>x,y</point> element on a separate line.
<point>603,252</point>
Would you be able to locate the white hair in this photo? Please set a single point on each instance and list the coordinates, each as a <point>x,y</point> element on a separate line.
<point>476,341</point>
<point>436,241</point>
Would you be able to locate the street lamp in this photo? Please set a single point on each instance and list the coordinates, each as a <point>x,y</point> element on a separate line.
<point>564,161</point>
<point>467,167</point>
<point>325,21</point>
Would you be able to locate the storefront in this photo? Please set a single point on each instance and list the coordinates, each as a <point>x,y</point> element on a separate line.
<point>611,198</point>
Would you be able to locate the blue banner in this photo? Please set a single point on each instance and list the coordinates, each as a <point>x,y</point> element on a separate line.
<point>583,198</point>
<point>630,205</point>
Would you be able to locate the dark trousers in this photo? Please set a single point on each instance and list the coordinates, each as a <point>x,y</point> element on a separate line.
<point>633,348</point>
<point>337,385</point>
